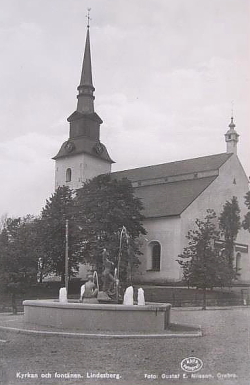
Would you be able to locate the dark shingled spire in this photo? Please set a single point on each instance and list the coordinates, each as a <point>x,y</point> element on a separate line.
<point>84,133</point>
<point>85,96</point>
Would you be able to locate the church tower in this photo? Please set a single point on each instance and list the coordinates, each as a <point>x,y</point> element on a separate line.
<point>82,156</point>
<point>232,138</point>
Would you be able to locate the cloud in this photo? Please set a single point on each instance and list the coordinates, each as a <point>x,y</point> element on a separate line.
<point>27,173</point>
<point>165,74</point>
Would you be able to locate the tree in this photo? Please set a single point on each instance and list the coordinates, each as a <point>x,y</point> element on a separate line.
<point>246,221</point>
<point>203,264</point>
<point>3,221</point>
<point>17,245</point>
<point>51,228</point>
<point>230,224</point>
<point>17,256</point>
<point>105,206</point>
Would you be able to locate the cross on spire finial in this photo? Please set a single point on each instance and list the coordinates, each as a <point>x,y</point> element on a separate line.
<point>88,16</point>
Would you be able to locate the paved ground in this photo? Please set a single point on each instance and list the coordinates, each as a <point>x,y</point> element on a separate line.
<point>224,350</point>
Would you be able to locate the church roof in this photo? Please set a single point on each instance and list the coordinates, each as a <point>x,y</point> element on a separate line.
<point>168,189</point>
<point>204,163</point>
<point>86,76</point>
<point>83,145</point>
<point>171,199</point>
<point>78,115</point>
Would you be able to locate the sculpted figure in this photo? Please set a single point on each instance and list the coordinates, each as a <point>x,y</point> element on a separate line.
<point>108,278</point>
<point>90,292</point>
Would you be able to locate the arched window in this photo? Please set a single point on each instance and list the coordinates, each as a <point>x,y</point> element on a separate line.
<point>68,175</point>
<point>238,264</point>
<point>154,256</point>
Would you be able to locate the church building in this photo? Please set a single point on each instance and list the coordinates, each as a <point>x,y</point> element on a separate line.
<point>173,194</point>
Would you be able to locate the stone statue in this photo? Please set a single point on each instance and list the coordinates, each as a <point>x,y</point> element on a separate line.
<point>108,279</point>
<point>89,292</point>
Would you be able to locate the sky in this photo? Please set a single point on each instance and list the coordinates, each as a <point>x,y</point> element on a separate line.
<point>167,75</point>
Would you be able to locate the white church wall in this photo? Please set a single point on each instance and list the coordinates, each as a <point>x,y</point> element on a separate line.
<point>171,232</point>
<point>231,181</point>
<point>83,167</point>
<point>164,231</point>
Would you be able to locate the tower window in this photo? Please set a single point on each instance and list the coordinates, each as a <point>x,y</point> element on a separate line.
<point>68,175</point>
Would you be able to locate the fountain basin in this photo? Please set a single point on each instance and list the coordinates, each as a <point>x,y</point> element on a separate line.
<point>98,317</point>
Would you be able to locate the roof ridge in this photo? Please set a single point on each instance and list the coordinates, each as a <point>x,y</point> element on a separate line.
<point>227,155</point>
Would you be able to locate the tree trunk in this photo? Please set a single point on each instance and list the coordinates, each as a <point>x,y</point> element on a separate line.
<point>41,277</point>
<point>13,301</point>
<point>204,305</point>
<point>41,268</point>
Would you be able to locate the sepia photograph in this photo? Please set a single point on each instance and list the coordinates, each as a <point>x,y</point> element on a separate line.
<point>125,200</point>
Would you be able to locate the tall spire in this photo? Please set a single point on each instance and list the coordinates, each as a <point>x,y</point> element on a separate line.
<point>86,90</point>
<point>83,156</point>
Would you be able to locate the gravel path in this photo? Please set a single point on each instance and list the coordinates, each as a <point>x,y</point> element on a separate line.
<point>224,350</point>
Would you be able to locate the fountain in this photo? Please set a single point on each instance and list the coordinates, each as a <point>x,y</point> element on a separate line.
<point>129,296</point>
<point>95,317</point>
<point>91,314</point>
<point>63,295</point>
<point>140,298</point>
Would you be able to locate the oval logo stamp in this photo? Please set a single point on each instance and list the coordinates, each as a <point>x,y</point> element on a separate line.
<point>191,364</point>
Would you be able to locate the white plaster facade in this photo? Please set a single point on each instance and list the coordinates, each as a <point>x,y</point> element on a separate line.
<point>166,231</point>
<point>83,167</point>
<point>171,232</point>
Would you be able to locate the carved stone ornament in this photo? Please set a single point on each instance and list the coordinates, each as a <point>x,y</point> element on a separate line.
<point>98,148</point>
<point>69,146</point>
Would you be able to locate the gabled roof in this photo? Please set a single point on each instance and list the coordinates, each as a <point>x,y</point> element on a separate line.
<point>171,199</point>
<point>163,193</point>
<point>204,163</point>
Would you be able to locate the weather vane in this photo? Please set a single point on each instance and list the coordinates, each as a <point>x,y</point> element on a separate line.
<point>88,17</point>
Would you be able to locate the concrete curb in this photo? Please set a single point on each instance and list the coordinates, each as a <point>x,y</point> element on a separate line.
<point>24,329</point>
<point>100,335</point>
